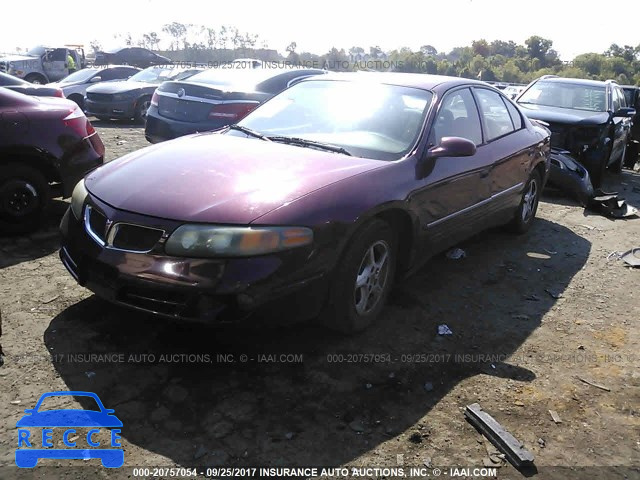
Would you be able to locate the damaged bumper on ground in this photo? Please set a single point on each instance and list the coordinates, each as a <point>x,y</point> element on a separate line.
<point>571,176</point>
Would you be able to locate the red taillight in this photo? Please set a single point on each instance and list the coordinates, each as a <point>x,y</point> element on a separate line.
<point>59,93</point>
<point>77,122</point>
<point>231,111</point>
<point>154,99</point>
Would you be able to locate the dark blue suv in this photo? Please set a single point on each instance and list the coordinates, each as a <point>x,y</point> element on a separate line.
<point>588,118</point>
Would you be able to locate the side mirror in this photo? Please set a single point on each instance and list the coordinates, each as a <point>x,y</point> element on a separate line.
<point>95,79</point>
<point>625,112</point>
<point>452,147</point>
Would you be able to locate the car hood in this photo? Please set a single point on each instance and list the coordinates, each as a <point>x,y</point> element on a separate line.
<point>15,58</point>
<point>564,115</point>
<point>217,178</point>
<point>119,87</point>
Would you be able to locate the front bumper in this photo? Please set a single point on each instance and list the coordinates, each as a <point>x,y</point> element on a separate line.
<point>79,160</point>
<point>205,290</point>
<point>123,109</point>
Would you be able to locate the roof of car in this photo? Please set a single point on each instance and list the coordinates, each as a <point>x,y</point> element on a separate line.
<point>577,81</point>
<point>416,80</point>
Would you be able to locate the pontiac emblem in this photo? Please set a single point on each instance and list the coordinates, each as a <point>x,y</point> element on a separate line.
<point>181,92</point>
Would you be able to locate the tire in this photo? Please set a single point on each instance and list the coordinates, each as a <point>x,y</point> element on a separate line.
<point>368,260</point>
<point>526,212</point>
<point>142,106</point>
<point>79,99</point>
<point>597,172</point>
<point>616,167</point>
<point>24,197</point>
<point>36,79</point>
<point>632,155</point>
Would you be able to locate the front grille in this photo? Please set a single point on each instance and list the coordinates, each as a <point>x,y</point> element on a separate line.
<point>134,237</point>
<point>3,67</point>
<point>97,223</point>
<point>120,236</point>
<point>558,136</point>
<point>99,97</point>
<point>183,110</point>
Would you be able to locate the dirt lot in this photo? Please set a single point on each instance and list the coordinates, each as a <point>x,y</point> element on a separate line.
<point>529,315</point>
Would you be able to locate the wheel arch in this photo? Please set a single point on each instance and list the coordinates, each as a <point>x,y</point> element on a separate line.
<point>403,223</point>
<point>33,157</point>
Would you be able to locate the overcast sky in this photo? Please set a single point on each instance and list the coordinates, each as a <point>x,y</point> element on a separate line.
<point>574,26</point>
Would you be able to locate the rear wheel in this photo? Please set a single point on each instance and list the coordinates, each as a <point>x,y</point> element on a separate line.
<point>362,280</point>
<point>24,196</point>
<point>526,212</point>
<point>141,109</point>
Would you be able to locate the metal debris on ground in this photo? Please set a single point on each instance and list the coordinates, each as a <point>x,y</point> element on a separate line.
<point>555,417</point>
<point>444,330</point>
<point>456,254</point>
<point>630,257</point>
<point>597,385</point>
<point>553,294</point>
<point>514,450</point>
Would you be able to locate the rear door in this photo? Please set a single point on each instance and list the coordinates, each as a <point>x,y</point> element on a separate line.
<point>511,147</point>
<point>54,64</point>
<point>454,189</point>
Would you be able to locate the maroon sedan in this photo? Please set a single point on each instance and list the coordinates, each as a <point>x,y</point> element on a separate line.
<point>313,204</point>
<point>46,146</point>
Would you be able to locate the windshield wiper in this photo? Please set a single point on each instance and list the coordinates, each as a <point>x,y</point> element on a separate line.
<point>303,142</point>
<point>248,131</point>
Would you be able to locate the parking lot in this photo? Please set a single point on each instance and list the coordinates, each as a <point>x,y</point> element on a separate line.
<point>537,320</point>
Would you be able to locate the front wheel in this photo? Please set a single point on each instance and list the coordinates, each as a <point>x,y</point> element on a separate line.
<point>363,279</point>
<point>24,196</point>
<point>526,212</point>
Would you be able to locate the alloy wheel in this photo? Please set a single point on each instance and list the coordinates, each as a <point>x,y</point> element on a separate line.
<point>372,277</point>
<point>530,200</point>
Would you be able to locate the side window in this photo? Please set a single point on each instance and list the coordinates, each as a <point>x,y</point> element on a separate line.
<point>623,101</point>
<point>457,117</point>
<point>495,115</point>
<point>59,55</point>
<point>109,74</point>
<point>615,100</point>
<point>515,115</point>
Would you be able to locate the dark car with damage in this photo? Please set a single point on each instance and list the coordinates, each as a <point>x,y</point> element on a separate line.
<point>131,98</point>
<point>215,98</point>
<point>587,118</point>
<point>46,146</point>
<point>312,205</point>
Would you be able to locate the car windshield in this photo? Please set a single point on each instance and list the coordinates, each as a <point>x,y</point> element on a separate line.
<point>79,76</point>
<point>158,75</point>
<point>566,95</point>
<point>367,119</point>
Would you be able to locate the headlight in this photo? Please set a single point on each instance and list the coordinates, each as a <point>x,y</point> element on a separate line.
<point>78,197</point>
<point>210,241</point>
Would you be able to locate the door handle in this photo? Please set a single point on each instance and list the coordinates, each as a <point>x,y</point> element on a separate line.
<point>485,173</point>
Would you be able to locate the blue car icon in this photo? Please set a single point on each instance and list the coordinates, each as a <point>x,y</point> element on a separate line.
<point>70,419</point>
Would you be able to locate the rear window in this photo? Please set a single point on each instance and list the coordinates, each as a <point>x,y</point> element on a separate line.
<point>245,78</point>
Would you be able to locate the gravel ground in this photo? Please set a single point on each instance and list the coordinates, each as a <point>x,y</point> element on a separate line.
<point>532,317</point>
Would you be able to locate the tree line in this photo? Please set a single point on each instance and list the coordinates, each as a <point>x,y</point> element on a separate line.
<point>499,60</point>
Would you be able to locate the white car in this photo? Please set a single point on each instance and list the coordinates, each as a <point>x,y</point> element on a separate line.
<point>75,85</point>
